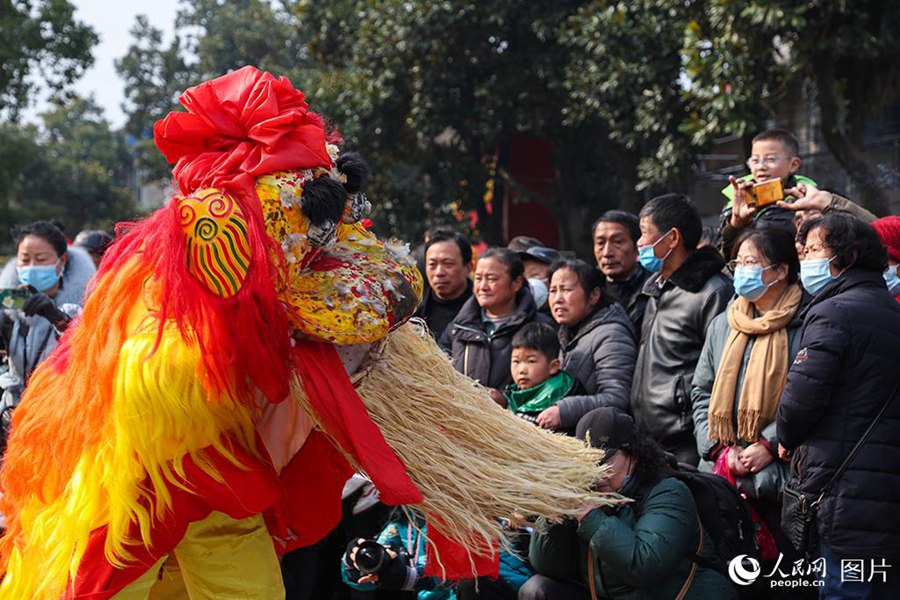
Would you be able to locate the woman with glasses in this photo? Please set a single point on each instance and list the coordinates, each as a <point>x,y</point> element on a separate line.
<point>845,375</point>
<point>744,365</point>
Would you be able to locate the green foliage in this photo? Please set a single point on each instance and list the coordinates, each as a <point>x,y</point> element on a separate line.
<point>625,69</point>
<point>432,90</point>
<point>44,48</point>
<point>627,92</point>
<point>224,36</point>
<point>73,169</point>
<point>154,77</point>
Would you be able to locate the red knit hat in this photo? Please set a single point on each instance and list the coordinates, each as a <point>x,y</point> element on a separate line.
<point>888,229</point>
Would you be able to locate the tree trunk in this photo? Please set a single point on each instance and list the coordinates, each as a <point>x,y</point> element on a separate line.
<point>843,136</point>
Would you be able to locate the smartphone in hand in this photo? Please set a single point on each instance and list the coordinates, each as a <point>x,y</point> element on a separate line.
<point>14,297</point>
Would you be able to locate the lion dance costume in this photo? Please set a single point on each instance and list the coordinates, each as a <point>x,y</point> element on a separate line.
<point>242,351</point>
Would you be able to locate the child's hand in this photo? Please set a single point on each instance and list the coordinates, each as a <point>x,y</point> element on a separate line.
<point>741,212</point>
<point>549,419</point>
<point>498,397</point>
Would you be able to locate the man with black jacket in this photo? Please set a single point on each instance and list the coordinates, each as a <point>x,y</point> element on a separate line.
<point>616,235</point>
<point>685,293</point>
<point>448,263</point>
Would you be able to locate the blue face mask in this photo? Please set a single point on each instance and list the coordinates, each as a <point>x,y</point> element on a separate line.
<point>40,277</point>
<point>892,280</point>
<point>815,273</point>
<point>629,477</point>
<point>748,282</point>
<point>648,258</point>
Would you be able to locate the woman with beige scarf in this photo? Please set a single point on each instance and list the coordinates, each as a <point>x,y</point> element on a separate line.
<point>743,368</point>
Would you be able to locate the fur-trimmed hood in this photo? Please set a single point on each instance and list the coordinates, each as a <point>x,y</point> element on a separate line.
<point>79,270</point>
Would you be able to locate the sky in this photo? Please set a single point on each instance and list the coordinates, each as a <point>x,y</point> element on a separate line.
<point>112,20</point>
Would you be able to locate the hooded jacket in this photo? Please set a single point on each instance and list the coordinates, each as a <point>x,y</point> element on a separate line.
<point>843,374</point>
<point>679,312</point>
<point>600,354</point>
<point>486,358</point>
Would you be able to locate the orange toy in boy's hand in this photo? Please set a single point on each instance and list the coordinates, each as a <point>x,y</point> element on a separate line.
<point>765,193</point>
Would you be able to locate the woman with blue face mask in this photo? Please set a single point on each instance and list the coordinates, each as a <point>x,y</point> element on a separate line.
<point>844,376</point>
<point>55,277</point>
<point>888,230</point>
<point>743,369</point>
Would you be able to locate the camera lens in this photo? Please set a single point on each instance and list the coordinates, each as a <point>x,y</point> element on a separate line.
<point>370,557</point>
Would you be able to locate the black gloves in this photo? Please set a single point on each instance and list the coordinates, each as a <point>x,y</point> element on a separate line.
<point>394,574</point>
<point>41,304</point>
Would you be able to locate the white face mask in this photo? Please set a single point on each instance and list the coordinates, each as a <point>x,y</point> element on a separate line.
<point>539,291</point>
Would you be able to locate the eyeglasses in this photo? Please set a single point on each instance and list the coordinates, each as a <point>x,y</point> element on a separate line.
<point>768,161</point>
<point>746,263</point>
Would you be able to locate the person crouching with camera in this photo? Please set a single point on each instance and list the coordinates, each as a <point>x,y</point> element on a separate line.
<point>394,563</point>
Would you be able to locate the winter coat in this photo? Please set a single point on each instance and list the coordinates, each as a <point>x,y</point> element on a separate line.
<point>675,323</point>
<point>34,338</point>
<point>768,483</point>
<point>630,295</point>
<point>640,552</point>
<point>487,359</point>
<point>600,353</point>
<point>439,314</point>
<point>843,374</point>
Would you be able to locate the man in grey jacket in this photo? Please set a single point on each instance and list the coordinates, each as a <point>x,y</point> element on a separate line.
<point>685,293</point>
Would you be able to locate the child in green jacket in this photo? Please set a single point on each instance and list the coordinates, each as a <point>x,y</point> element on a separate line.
<point>539,382</point>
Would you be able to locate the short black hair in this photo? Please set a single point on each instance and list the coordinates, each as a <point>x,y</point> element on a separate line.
<point>589,277</point>
<point>95,241</point>
<point>43,229</point>
<point>675,211</point>
<point>448,235</point>
<point>777,247</point>
<point>626,219</point>
<point>712,235</point>
<point>436,229</point>
<point>537,336</point>
<point>780,135</point>
<point>852,241</point>
<point>514,265</point>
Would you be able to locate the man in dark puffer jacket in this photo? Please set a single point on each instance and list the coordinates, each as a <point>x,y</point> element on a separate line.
<point>843,374</point>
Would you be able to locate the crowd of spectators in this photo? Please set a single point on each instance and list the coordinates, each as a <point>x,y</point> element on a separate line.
<point>763,350</point>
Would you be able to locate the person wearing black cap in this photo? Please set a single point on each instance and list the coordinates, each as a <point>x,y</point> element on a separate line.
<point>95,242</point>
<point>537,261</point>
<point>640,549</point>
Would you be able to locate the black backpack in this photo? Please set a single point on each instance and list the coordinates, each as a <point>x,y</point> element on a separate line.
<point>723,513</point>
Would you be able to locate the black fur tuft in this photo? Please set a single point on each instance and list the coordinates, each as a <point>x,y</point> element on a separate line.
<point>355,169</point>
<point>323,200</point>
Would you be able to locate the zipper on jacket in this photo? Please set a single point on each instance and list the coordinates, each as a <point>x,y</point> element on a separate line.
<point>466,361</point>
